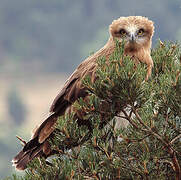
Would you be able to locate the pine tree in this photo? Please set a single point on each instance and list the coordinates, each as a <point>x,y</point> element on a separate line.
<point>148,147</point>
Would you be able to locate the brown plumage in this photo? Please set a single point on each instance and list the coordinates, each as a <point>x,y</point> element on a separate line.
<point>137,32</point>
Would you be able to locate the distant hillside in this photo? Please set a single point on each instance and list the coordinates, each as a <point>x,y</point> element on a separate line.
<point>36,93</point>
<point>56,35</point>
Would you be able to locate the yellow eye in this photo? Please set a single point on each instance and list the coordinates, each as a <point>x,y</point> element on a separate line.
<point>141,31</point>
<point>122,32</point>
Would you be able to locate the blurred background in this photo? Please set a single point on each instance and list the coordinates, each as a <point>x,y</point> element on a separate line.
<point>42,42</point>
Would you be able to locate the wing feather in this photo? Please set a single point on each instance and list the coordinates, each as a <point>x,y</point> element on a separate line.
<point>72,90</point>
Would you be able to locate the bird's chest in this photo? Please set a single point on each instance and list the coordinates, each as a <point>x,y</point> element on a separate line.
<point>133,53</point>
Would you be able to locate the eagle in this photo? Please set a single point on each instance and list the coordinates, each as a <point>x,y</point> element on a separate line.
<point>136,32</point>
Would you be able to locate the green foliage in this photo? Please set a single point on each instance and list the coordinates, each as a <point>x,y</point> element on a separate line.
<point>148,148</point>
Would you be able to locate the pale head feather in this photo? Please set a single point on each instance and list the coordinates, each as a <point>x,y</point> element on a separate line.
<point>132,25</point>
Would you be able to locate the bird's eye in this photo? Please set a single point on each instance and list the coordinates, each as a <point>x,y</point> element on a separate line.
<point>141,31</point>
<point>122,32</point>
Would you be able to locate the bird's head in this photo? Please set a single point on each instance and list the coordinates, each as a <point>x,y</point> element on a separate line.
<point>136,31</point>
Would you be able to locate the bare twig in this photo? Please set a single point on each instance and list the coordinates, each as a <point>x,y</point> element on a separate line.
<point>171,151</point>
<point>173,140</point>
<point>150,130</point>
<point>123,117</point>
<point>23,142</point>
<point>130,114</point>
<point>176,168</point>
<point>129,119</point>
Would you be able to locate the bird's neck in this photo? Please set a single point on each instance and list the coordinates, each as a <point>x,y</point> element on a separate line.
<point>137,51</point>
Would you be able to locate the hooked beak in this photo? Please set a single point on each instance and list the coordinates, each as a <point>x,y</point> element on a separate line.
<point>132,38</point>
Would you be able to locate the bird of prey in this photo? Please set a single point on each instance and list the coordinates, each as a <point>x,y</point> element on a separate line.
<point>137,32</point>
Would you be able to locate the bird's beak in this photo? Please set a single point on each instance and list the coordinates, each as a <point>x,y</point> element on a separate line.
<point>132,38</point>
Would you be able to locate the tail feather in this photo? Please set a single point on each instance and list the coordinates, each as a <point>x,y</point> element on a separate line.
<point>38,145</point>
<point>21,160</point>
<point>31,144</point>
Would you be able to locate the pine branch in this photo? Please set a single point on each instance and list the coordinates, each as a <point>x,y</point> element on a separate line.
<point>147,148</point>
